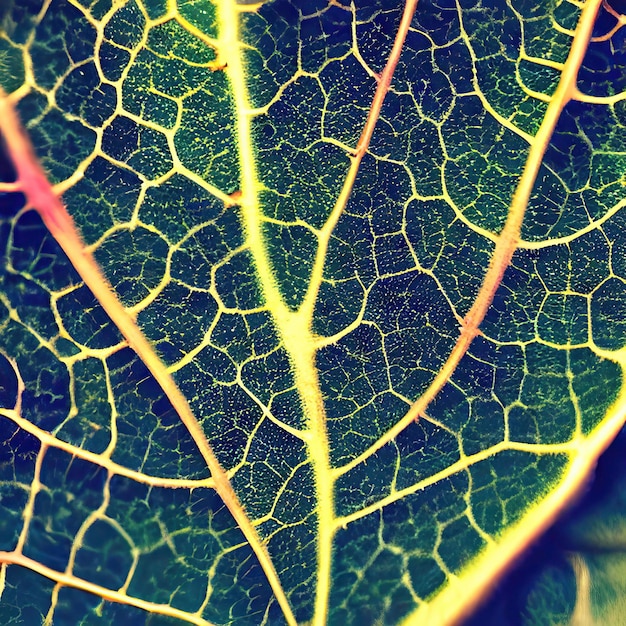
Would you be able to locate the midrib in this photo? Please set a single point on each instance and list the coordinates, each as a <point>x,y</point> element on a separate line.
<point>294,327</point>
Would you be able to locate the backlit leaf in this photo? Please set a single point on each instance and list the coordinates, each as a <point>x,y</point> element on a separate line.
<point>329,322</point>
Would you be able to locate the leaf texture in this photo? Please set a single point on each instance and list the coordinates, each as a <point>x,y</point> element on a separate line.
<point>329,323</point>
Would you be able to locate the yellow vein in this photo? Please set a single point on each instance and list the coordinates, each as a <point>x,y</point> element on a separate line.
<point>69,580</point>
<point>508,239</point>
<point>463,463</point>
<point>302,349</point>
<point>40,196</point>
<point>29,508</point>
<point>565,239</point>
<point>229,58</point>
<point>103,461</point>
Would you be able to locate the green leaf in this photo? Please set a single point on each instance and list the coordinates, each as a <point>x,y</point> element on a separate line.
<point>328,325</point>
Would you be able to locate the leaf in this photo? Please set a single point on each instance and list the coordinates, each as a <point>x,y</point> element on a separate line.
<point>328,325</point>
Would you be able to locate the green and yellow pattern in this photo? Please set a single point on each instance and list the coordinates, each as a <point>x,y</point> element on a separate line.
<point>311,312</point>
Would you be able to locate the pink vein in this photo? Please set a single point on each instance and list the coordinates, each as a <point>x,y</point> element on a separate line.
<point>384,82</point>
<point>508,239</point>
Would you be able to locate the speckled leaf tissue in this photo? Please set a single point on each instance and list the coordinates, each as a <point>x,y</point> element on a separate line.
<point>311,311</point>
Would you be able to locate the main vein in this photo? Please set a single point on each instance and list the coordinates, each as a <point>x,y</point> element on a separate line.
<point>295,327</point>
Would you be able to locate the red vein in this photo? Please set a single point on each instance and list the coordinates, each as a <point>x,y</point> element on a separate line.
<point>509,237</point>
<point>41,197</point>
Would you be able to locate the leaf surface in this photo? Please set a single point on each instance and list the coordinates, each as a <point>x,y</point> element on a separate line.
<point>329,322</point>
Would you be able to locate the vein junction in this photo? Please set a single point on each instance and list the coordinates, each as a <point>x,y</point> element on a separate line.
<point>294,327</point>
